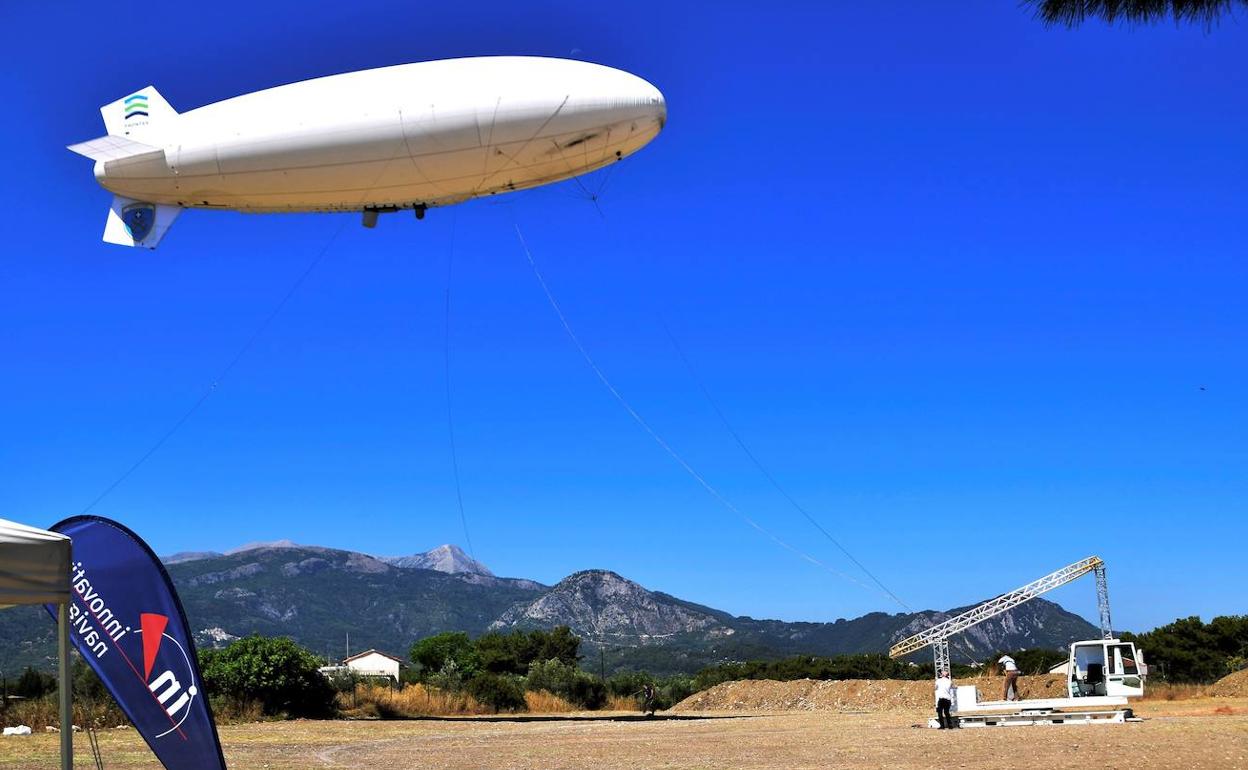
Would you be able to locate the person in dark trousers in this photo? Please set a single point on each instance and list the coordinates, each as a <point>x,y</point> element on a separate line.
<point>944,701</point>
<point>1010,668</point>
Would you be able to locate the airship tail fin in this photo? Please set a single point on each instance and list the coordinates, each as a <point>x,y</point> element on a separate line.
<point>136,223</point>
<point>110,149</point>
<point>144,116</point>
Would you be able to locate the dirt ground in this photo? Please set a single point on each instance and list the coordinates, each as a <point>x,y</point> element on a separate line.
<point>1232,686</point>
<point>850,695</point>
<point>1193,735</point>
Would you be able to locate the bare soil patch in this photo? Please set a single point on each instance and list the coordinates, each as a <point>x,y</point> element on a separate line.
<point>850,695</point>
<point>1231,686</point>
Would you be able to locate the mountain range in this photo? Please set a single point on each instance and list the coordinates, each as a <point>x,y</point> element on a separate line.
<point>319,596</point>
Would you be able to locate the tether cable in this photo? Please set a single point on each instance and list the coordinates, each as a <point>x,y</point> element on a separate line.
<point>658,439</point>
<point>450,414</point>
<point>216,382</point>
<point>767,474</point>
<point>221,375</point>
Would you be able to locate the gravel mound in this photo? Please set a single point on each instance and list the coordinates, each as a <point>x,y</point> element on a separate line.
<point>1231,686</point>
<point>861,695</point>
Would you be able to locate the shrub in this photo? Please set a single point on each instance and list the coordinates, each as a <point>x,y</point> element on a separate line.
<point>628,683</point>
<point>275,672</point>
<point>568,682</point>
<point>499,692</point>
<point>587,691</point>
<point>344,681</point>
<point>553,676</point>
<point>450,679</point>
<point>673,690</point>
<point>626,690</point>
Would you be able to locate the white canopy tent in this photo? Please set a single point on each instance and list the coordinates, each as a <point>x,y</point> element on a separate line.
<point>34,569</point>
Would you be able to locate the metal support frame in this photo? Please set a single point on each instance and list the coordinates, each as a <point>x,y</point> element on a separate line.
<point>942,631</point>
<point>66,690</point>
<point>940,652</point>
<point>1102,602</point>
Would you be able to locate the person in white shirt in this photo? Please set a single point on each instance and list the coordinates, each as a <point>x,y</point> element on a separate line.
<point>944,700</point>
<point>1011,678</point>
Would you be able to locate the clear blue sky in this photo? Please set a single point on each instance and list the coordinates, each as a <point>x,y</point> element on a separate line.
<point>974,289</point>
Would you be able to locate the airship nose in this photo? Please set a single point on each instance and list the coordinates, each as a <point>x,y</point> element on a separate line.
<point>658,105</point>
<point>619,95</point>
<point>643,93</point>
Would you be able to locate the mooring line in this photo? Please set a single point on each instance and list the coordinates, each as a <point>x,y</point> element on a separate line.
<point>450,415</point>
<point>216,381</point>
<point>658,439</point>
<point>706,394</point>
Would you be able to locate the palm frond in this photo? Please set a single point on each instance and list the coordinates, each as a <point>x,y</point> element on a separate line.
<point>1074,12</point>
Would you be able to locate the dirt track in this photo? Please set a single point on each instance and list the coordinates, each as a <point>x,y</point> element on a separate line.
<point>1191,735</point>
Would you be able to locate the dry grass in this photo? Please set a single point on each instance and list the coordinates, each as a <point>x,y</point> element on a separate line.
<point>40,713</point>
<point>621,703</point>
<point>413,700</point>
<point>542,702</point>
<point>231,711</point>
<point>1175,691</point>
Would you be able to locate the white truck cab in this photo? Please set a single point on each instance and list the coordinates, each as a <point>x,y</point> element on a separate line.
<point>1105,667</point>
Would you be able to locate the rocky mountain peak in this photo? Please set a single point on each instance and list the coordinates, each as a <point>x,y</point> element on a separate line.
<point>602,606</point>
<point>448,558</point>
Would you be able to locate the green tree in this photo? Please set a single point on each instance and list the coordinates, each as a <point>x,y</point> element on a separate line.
<point>275,672</point>
<point>1074,12</point>
<point>514,652</point>
<point>433,653</point>
<point>559,643</point>
<point>34,684</point>
<point>1189,650</point>
<point>1035,660</point>
<point>862,666</point>
<point>87,683</point>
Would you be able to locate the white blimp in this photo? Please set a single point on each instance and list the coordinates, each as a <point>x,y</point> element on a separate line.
<point>412,136</point>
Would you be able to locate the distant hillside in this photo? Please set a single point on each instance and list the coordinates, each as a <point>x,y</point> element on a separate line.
<point>318,595</point>
<point>636,628</point>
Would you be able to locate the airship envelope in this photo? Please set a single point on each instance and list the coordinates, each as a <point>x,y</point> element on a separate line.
<point>413,136</point>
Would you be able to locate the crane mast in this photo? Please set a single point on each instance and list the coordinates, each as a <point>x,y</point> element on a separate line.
<point>937,637</point>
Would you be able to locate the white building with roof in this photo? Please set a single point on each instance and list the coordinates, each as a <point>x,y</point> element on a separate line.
<point>375,663</point>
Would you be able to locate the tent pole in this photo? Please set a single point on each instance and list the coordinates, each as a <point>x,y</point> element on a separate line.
<point>66,689</point>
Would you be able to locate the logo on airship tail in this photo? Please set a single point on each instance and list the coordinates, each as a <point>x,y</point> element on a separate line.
<point>169,676</point>
<point>136,105</point>
<point>139,219</point>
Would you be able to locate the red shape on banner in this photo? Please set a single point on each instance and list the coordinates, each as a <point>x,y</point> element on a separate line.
<point>153,630</point>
